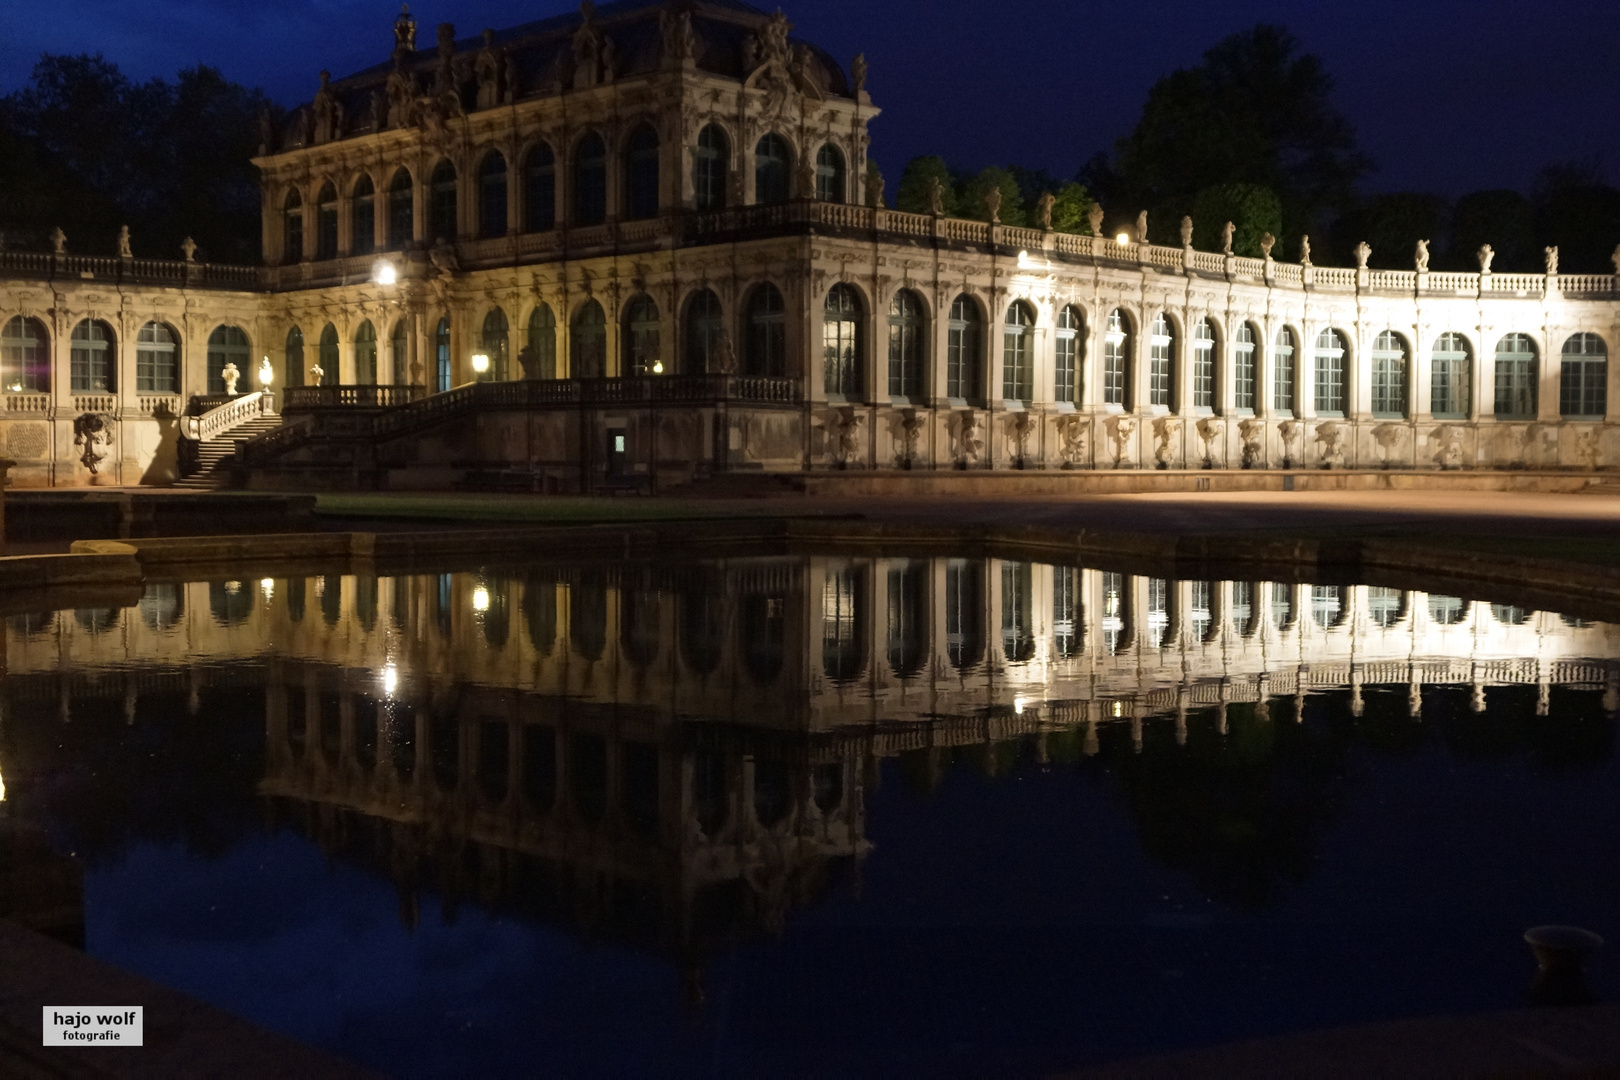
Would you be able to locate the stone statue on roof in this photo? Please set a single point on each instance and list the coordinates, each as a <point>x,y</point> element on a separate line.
<point>404,31</point>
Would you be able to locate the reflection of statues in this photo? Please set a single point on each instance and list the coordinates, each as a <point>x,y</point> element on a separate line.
<point>1165,430</point>
<point>1363,253</point>
<point>1485,255</point>
<point>229,375</point>
<point>964,431</point>
<point>1072,431</point>
<point>1387,437</point>
<point>1421,256</point>
<point>93,431</point>
<point>1226,238</point>
<point>1552,259</point>
<point>124,251</point>
<point>1094,217</point>
<point>1253,433</point>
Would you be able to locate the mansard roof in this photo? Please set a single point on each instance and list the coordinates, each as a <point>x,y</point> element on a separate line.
<point>542,55</point>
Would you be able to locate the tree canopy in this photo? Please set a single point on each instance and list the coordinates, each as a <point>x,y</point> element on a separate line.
<point>86,149</point>
<point>963,195</point>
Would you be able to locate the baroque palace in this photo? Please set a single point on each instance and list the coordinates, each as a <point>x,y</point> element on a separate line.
<point>643,245</point>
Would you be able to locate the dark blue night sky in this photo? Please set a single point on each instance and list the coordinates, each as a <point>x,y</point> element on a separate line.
<point>1447,95</point>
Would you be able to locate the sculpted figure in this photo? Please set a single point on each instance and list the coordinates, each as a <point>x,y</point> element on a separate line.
<point>1615,258</point>
<point>488,70</point>
<point>1226,238</point>
<point>964,429</point>
<point>857,72</point>
<point>404,31</point>
<point>874,186</point>
<point>1304,251</point>
<point>401,99</point>
<point>1165,430</point>
<point>1422,256</point>
<point>316,374</point>
<point>910,424</point>
<point>1267,242</point>
<point>1018,432</point>
<point>1363,253</point>
<point>1552,260</point>
<point>1072,431</point>
<point>676,34</point>
<point>1209,433</point>
<point>1043,210</point>
<point>325,110</point>
<point>230,376</point>
<point>1330,442</point>
<point>1253,433</point>
<point>1141,227</point>
<point>93,431</point>
<point>723,361</point>
<point>59,241</point>
<point>1447,441</point>
<point>1288,431</point>
<point>188,247</point>
<point>124,251</point>
<point>1095,217</point>
<point>1120,430</point>
<point>1387,437</point>
<point>992,204</point>
<point>1186,230</point>
<point>1485,255</point>
<point>936,196</point>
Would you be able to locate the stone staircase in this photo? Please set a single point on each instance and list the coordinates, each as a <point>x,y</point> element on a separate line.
<point>214,455</point>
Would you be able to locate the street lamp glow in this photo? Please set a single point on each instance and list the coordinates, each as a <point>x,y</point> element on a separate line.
<point>383,272</point>
<point>267,374</point>
<point>1123,239</point>
<point>658,367</point>
<point>268,587</point>
<point>480,599</point>
<point>480,362</point>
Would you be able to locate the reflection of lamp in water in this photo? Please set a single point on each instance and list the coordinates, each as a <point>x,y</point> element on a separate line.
<point>1018,705</point>
<point>390,679</point>
<point>233,587</point>
<point>480,599</point>
<point>2,789</point>
<point>268,587</point>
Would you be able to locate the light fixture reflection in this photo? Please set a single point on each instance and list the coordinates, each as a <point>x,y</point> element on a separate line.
<point>390,679</point>
<point>480,599</point>
<point>268,587</point>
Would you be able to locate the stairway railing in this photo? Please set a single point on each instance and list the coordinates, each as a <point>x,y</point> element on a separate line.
<point>218,420</point>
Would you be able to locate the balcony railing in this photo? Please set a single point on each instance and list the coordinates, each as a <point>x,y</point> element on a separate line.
<point>171,272</point>
<point>298,398</point>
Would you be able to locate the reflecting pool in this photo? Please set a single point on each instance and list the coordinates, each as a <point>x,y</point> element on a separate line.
<point>813,814</point>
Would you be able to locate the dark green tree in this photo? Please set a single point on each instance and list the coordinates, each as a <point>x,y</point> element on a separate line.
<point>971,195</point>
<point>1392,224</point>
<point>1253,209</point>
<point>912,197</point>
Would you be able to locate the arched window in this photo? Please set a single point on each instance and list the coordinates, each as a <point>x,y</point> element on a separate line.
<point>843,625</point>
<point>1017,612</point>
<point>442,203</point>
<point>1282,605</point>
<point>292,227</point>
<point>709,164</point>
<point>701,628</point>
<point>1385,607</point>
<point>766,353</point>
<point>1116,613</point>
<point>1389,368</point>
<point>231,602</point>
<point>588,344</point>
<point>1066,376</point>
<point>1202,618</point>
<point>830,173</point>
<point>762,636</point>
<point>157,360</point>
<point>908,348</point>
<point>540,189</point>
<point>1161,362</point>
<point>590,180</point>
<point>494,342</point>
<point>401,211</point>
<point>229,345</point>
<point>1068,613</point>
<point>96,620</point>
<point>365,354</point>
<point>1018,353</point>
<point>1451,384</point>
<point>326,223</point>
<point>1448,610</point>
<point>363,219</point>
<point>704,330</point>
<point>1283,393</point>
<point>1327,605</point>
<point>1243,367</point>
<point>964,352</point>
<point>399,350</point>
<point>1516,378</point>
<point>492,195</point>
<point>640,622</point>
<point>640,338</point>
<point>1161,613</point>
<point>441,355</point>
<point>1117,359</point>
<point>1203,365</point>
<point>328,358</point>
<point>292,358</point>
<point>641,173</point>
<point>1583,379</point>
<point>162,605</point>
<point>25,357</point>
<point>964,612</point>
<point>772,159</point>
<point>841,341</point>
<point>92,357</point>
<point>1331,351</point>
<point>540,612</point>
<point>908,620</point>
<point>543,342</point>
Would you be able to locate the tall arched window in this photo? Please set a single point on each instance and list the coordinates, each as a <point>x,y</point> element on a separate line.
<point>543,342</point>
<point>1331,352</point>
<point>908,348</point>
<point>1203,364</point>
<point>1161,362</point>
<point>772,161</point>
<point>704,329</point>
<point>1115,624</point>
<point>363,218</point>
<point>495,341</point>
<point>1018,353</point>
<point>365,354</point>
<point>1116,359</point>
<point>441,355</point>
<point>1451,384</point>
<point>709,164</point>
<point>1283,383</point>
<point>588,342</point>
<point>1068,612</point>
<point>841,341</point>
<point>326,223</point>
<point>442,203</point>
<point>590,180</point>
<point>1017,612</point>
<point>906,632</point>
<point>492,195</point>
<point>964,612</point>
<point>157,360</point>
<point>1516,378</point>
<point>25,357</point>
<point>401,211</point>
<point>292,358</point>
<point>1583,381</point>
<point>641,173</point>
<point>766,352</point>
<point>399,351</point>
<point>843,624</point>
<point>1390,364</point>
<point>964,352</point>
<point>229,345</point>
<point>830,173</point>
<point>1066,375</point>
<point>292,227</point>
<point>1243,367</point>
<point>639,340</point>
<point>92,356</point>
<point>540,189</point>
<point>329,360</point>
